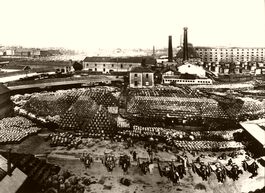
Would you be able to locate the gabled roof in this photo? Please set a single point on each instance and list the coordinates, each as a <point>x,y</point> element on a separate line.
<point>148,59</point>
<point>3,89</point>
<point>97,59</point>
<point>141,69</point>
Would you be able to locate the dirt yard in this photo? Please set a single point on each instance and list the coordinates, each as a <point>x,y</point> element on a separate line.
<point>100,180</point>
<point>104,181</point>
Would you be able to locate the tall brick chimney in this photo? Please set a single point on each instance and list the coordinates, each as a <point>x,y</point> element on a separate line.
<point>185,45</point>
<point>170,50</point>
<point>154,52</point>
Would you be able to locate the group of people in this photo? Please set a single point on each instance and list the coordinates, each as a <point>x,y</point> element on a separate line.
<point>87,159</point>
<point>172,171</point>
<point>175,170</point>
<point>231,169</point>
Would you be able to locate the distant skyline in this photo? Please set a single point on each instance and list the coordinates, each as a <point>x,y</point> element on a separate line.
<point>109,24</point>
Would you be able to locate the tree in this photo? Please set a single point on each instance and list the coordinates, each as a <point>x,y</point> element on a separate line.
<point>77,66</point>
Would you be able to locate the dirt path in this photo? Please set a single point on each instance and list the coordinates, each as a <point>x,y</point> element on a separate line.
<point>152,183</point>
<point>104,181</point>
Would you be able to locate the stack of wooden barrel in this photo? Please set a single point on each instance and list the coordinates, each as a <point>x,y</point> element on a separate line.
<point>65,139</point>
<point>102,124</point>
<point>15,129</point>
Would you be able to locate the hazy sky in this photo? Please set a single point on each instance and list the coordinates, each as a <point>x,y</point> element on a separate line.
<point>93,24</point>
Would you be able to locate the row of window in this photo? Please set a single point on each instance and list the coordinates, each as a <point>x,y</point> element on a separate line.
<point>231,51</point>
<point>146,75</point>
<point>136,83</point>
<point>246,49</point>
<point>112,65</point>
<point>231,54</point>
<point>95,69</point>
<point>190,81</point>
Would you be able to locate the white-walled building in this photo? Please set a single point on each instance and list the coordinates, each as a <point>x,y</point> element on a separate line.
<point>186,74</point>
<point>192,69</point>
<point>141,77</point>
<point>110,64</point>
<point>182,81</point>
<point>228,54</point>
<point>9,52</point>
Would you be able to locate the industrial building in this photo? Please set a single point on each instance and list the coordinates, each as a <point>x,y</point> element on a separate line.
<point>111,64</point>
<point>141,77</point>
<point>19,52</point>
<point>186,74</point>
<point>231,54</point>
<point>186,71</point>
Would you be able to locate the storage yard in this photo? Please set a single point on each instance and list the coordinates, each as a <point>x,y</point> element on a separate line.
<point>155,127</point>
<point>92,101</point>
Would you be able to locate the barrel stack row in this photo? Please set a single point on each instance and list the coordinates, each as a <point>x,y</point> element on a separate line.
<point>163,92</point>
<point>15,129</point>
<point>208,145</point>
<point>65,139</point>
<point>177,107</point>
<point>101,125</point>
<point>84,110</point>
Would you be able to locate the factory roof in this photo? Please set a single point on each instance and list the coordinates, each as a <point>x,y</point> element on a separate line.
<point>141,69</point>
<point>148,60</point>
<point>97,59</point>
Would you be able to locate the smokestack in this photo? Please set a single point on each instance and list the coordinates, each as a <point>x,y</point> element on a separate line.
<point>170,50</point>
<point>154,51</point>
<point>9,162</point>
<point>185,45</point>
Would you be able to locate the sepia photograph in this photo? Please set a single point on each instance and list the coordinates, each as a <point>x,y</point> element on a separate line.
<point>132,96</point>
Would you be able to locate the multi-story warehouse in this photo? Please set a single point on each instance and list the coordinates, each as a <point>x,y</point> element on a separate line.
<point>110,64</point>
<point>231,54</point>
